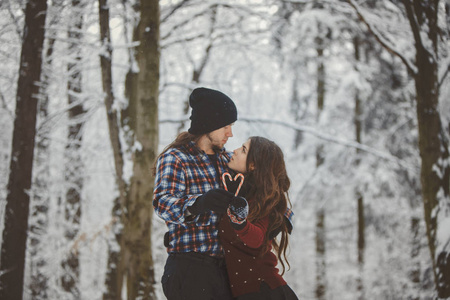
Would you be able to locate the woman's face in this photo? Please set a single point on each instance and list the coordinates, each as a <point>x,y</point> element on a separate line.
<point>238,162</point>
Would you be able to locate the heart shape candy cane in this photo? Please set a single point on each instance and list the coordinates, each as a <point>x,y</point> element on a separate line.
<point>226,174</point>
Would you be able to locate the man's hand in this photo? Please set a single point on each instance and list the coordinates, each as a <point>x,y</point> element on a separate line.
<point>216,200</point>
<point>233,185</point>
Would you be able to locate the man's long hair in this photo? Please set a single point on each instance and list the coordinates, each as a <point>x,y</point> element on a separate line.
<point>267,184</point>
<point>182,139</point>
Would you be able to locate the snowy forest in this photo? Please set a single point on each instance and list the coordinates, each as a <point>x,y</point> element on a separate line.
<point>355,92</point>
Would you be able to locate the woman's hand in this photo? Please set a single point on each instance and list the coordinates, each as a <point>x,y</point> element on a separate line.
<point>238,212</point>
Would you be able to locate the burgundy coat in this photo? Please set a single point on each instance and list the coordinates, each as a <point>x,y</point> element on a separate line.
<point>246,267</point>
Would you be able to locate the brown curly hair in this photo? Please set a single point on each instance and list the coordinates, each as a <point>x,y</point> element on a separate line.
<point>267,183</point>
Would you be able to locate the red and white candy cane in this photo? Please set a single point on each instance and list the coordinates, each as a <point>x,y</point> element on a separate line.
<point>226,174</point>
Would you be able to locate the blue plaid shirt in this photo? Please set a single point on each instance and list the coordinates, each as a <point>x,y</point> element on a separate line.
<point>182,175</point>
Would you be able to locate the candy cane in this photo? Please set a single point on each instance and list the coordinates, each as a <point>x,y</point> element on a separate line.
<point>226,174</point>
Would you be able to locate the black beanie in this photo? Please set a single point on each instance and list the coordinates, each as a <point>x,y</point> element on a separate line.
<point>211,110</point>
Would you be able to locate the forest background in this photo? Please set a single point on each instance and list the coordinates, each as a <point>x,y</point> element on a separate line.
<point>357,94</point>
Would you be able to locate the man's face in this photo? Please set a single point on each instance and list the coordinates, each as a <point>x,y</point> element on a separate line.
<point>219,137</point>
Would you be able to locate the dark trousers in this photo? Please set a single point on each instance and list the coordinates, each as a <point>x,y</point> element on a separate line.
<point>195,276</point>
<point>283,292</point>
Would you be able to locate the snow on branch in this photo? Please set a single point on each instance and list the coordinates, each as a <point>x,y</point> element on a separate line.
<point>333,139</point>
<point>173,10</point>
<point>320,135</point>
<point>389,47</point>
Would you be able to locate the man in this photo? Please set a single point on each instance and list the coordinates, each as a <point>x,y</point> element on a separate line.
<point>189,198</point>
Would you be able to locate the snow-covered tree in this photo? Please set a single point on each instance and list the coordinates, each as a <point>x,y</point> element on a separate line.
<point>430,39</point>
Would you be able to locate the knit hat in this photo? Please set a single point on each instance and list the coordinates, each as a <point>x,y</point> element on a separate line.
<point>211,110</point>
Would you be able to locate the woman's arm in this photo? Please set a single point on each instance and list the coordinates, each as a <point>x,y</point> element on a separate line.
<point>252,235</point>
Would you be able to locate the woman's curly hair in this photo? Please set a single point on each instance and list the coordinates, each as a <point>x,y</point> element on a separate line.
<point>267,184</point>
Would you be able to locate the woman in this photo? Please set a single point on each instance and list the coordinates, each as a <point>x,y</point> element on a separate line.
<point>248,232</point>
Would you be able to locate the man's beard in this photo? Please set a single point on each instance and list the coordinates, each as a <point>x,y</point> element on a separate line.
<point>214,145</point>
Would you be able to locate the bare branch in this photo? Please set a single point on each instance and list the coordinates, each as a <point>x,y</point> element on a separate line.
<point>5,106</point>
<point>443,76</point>
<point>173,10</point>
<point>390,48</point>
<point>413,21</point>
<point>16,22</point>
<point>183,23</point>
<point>320,135</point>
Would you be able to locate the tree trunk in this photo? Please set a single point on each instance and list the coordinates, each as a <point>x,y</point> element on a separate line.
<point>320,78</point>
<point>359,197</point>
<point>113,275</point>
<point>114,271</point>
<point>21,164</point>
<point>433,141</point>
<point>143,112</point>
<point>415,270</point>
<point>320,155</point>
<point>40,202</point>
<point>296,106</point>
<point>73,164</point>
<point>361,245</point>
<point>320,158</point>
<point>320,256</point>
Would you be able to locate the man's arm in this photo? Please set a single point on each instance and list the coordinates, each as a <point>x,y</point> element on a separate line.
<point>170,200</point>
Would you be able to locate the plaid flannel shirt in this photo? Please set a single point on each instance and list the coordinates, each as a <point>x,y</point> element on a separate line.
<point>182,175</point>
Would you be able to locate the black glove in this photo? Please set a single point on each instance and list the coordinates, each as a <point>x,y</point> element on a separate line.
<point>232,185</point>
<point>214,200</point>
